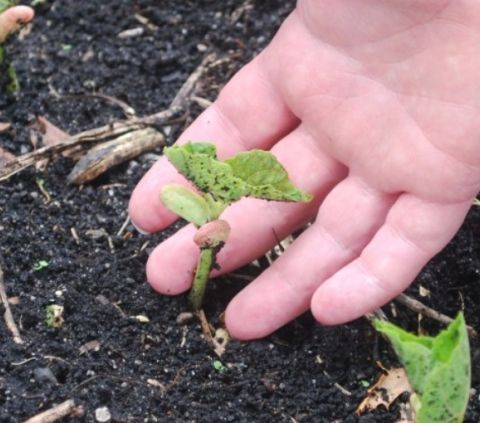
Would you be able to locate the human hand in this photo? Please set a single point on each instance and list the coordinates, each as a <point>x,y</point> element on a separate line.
<point>13,16</point>
<point>372,107</point>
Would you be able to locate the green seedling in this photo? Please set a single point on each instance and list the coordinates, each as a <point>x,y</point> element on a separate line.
<point>220,183</point>
<point>219,366</point>
<point>39,265</point>
<point>438,369</point>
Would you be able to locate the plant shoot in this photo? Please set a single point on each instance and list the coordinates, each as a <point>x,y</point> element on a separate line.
<point>255,173</point>
<point>438,369</point>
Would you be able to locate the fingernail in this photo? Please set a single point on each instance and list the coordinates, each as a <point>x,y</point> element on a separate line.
<point>143,232</point>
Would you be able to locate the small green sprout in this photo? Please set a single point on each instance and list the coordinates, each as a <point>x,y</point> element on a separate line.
<point>253,173</point>
<point>39,265</point>
<point>219,366</point>
<point>365,383</point>
<point>438,369</point>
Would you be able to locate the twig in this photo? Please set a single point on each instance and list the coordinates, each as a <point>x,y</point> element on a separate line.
<point>377,314</point>
<point>124,226</point>
<point>103,156</point>
<point>8,316</point>
<point>424,310</point>
<point>207,333</point>
<point>128,110</point>
<point>53,414</point>
<point>115,129</point>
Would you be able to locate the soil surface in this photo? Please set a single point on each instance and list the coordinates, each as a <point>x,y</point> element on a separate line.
<point>120,345</point>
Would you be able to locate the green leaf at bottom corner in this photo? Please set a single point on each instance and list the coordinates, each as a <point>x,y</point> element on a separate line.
<point>447,390</point>
<point>438,369</point>
<point>185,203</point>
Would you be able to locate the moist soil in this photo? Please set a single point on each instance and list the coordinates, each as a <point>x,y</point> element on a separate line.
<point>68,251</point>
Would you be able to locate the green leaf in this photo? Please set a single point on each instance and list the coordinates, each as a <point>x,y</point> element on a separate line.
<point>186,203</point>
<point>39,265</point>
<point>5,4</point>
<point>198,163</point>
<point>255,173</point>
<point>181,155</point>
<point>265,177</point>
<point>219,366</point>
<point>437,368</point>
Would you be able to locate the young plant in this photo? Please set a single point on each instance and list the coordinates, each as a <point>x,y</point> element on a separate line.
<point>253,173</point>
<point>438,369</point>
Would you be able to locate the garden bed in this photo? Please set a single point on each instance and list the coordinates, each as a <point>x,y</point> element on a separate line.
<point>120,345</point>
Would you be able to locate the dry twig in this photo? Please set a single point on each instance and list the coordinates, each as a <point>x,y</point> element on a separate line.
<point>115,129</point>
<point>54,414</point>
<point>108,154</point>
<point>8,316</point>
<point>424,310</point>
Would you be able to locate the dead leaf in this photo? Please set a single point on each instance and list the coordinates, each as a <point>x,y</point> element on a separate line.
<point>388,388</point>
<point>5,157</point>
<point>52,134</point>
<point>220,341</point>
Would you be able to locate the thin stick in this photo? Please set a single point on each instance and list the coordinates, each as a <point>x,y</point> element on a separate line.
<point>205,327</point>
<point>124,226</point>
<point>424,310</point>
<point>53,414</point>
<point>8,316</point>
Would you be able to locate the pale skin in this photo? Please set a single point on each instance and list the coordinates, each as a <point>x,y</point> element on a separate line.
<point>12,18</point>
<point>372,106</point>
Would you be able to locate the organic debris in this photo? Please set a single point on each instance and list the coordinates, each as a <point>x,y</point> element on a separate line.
<point>389,387</point>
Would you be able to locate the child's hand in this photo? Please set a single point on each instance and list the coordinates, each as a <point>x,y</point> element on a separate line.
<point>373,106</point>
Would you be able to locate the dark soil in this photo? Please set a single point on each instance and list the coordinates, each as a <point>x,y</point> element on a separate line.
<point>143,371</point>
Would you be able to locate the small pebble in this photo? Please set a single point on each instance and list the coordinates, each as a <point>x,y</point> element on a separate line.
<point>102,415</point>
<point>43,375</point>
